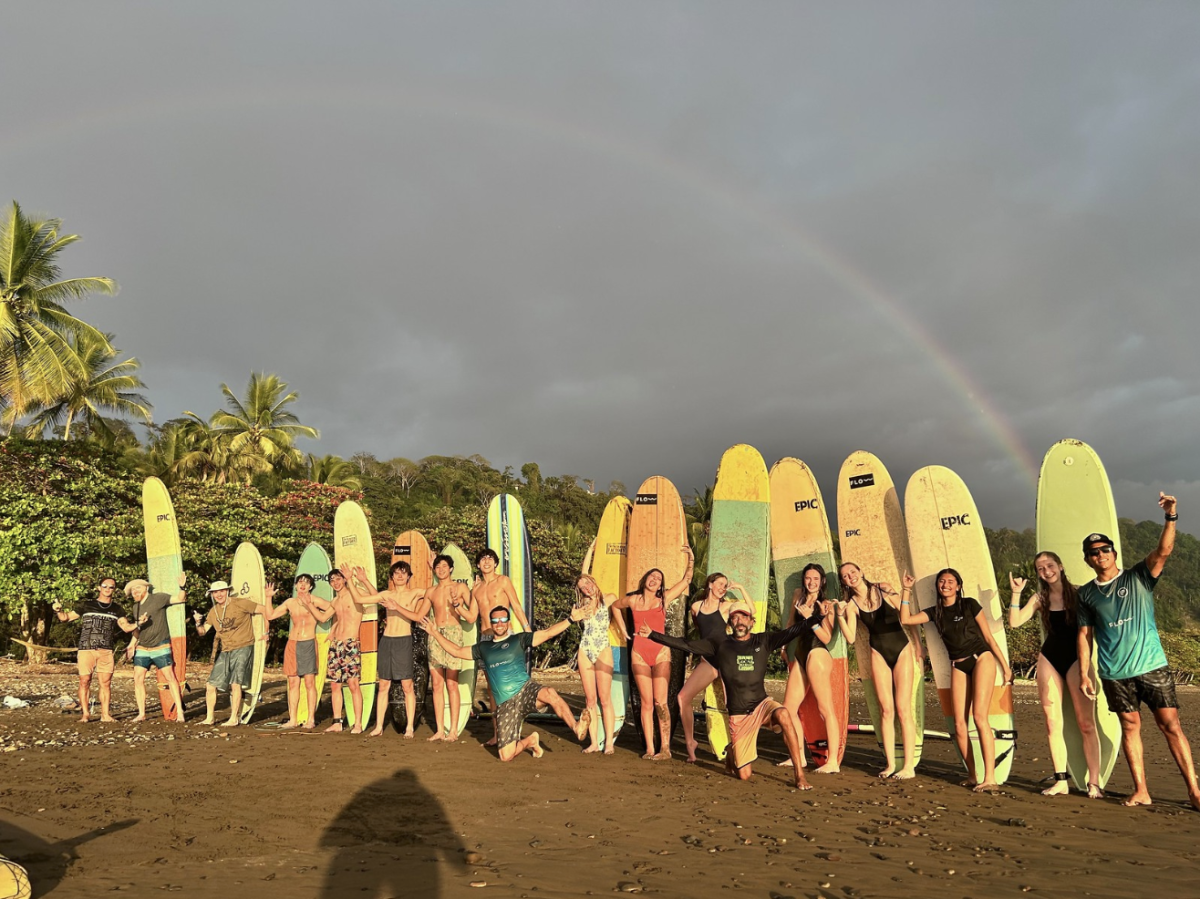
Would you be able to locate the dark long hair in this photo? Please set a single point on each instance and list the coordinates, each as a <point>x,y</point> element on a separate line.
<point>641,587</point>
<point>813,566</point>
<point>1070,594</point>
<point>939,608</point>
<point>842,587</point>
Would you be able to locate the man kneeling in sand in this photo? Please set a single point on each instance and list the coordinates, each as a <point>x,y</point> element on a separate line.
<point>517,695</point>
<point>741,659</point>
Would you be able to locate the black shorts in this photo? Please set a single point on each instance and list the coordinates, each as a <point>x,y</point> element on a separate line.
<point>1155,688</point>
<point>394,661</point>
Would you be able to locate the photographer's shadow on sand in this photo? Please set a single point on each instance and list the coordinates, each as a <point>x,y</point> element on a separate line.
<point>47,863</point>
<point>391,839</point>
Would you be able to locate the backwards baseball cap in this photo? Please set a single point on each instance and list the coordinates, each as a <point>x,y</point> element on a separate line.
<point>136,582</point>
<point>742,606</point>
<point>1096,538</point>
<point>217,585</point>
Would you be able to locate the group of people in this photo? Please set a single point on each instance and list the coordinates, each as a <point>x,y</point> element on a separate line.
<point>1115,611</point>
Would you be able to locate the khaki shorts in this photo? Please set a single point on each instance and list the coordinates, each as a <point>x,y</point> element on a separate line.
<point>98,660</point>
<point>743,736</point>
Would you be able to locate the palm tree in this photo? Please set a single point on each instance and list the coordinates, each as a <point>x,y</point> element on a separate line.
<point>103,387</point>
<point>37,360</point>
<point>191,447</point>
<point>334,471</point>
<point>259,423</point>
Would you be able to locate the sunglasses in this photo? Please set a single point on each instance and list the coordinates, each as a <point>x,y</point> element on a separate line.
<point>108,586</point>
<point>1098,550</point>
<point>498,620</point>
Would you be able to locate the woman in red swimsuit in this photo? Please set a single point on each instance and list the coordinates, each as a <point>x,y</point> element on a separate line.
<point>651,662</point>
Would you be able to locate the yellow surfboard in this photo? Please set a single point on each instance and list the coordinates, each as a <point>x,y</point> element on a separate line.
<point>164,562</point>
<point>607,563</point>
<point>246,583</point>
<point>1075,499</point>
<point>873,536</point>
<point>739,546</point>
<point>352,547</point>
<point>945,531</point>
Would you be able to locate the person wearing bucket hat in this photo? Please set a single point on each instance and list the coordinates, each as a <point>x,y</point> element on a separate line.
<point>1117,609</point>
<point>233,620</point>
<point>741,658</point>
<point>151,643</point>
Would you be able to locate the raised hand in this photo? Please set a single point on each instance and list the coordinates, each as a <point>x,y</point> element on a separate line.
<point>1018,583</point>
<point>1167,503</point>
<point>908,580</point>
<point>182,580</point>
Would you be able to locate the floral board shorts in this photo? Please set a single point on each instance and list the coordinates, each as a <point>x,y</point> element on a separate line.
<point>345,661</point>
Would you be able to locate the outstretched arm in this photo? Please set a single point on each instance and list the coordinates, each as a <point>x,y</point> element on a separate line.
<point>549,633</point>
<point>702,648</point>
<point>284,608</point>
<point>368,594</point>
<point>1166,541</point>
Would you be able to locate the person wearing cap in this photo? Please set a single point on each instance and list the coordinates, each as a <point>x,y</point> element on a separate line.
<point>101,619</point>
<point>233,619</point>
<point>741,658</point>
<point>1117,608</point>
<point>151,644</point>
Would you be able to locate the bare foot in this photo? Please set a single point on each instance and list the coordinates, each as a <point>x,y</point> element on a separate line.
<point>1194,799</point>
<point>987,787</point>
<point>648,754</point>
<point>691,746</point>
<point>142,717</point>
<point>832,767</point>
<point>801,781</point>
<point>591,749</point>
<point>1094,792</point>
<point>451,738</point>
<point>356,729</point>
<point>536,745</point>
<point>1141,798</point>
<point>436,738</point>
<point>887,772</point>
<point>1060,788</point>
<point>609,751</point>
<point>408,735</point>
<point>179,719</point>
<point>786,763</point>
<point>905,774</point>
<point>309,725</point>
<point>208,721</point>
<point>335,728</point>
<point>664,756</point>
<point>288,725</point>
<point>107,719</point>
<point>232,722</point>
<point>85,719</point>
<point>377,732</point>
<point>582,725</point>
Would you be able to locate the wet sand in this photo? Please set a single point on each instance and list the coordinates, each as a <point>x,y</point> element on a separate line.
<point>137,809</point>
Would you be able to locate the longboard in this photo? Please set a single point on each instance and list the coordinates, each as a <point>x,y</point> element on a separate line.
<point>314,561</point>
<point>352,546</point>
<point>945,531</point>
<point>508,537</point>
<point>246,583</point>
<point>873,536</point>
<point>608,564</point>
<point>657,535</point>
<point>164,564</point>
<point>466,677</point>
<point>1075,499</point>
<point>413,548</point>
<point>739,546</point>
<point>799,537</point>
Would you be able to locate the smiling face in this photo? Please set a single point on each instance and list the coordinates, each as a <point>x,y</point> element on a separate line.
<point>219,596</point>
<point>812,582</point>
<point>851,575</point>
<point>499,623</point>
<point>948,585</point>
<point>336,581</point>
<point>654,581</point>
<point>442,570</point>
<point>740,623</point>
<point>1102,559</point>
<point>1047,569</point>
<point>587,587</point>
<point>718,588</point>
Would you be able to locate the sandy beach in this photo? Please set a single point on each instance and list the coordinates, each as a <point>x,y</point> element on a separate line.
<point>255,812</point>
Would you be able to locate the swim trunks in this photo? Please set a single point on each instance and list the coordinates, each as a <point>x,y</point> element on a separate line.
<point>98,660</point>
<point>345,661</point>
<point>512,713</point>
<point>1155,688</point>
<point>743,731</point>
<point>439,658</point>
<point>159,657</point>
<point>232,667</point>
<point>300,658</point>
<point>395,658</point>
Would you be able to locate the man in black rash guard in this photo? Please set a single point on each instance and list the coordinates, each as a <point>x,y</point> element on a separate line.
<point>741,659</point>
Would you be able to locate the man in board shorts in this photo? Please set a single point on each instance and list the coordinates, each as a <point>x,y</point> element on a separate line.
<point>300,655</point>
<point>518,695</point>
<point>233,619</point>
<point>741,659</point>
<point>151,645</point>
<point>101,620</point>
<point>1117,608</point>
<point>402,605</point>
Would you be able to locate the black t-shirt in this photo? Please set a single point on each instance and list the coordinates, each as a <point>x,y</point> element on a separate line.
<point>98,624</point>
<point>742,664</point>
<point>960,630</point>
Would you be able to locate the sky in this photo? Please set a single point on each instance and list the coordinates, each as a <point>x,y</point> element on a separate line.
<point>617,238</point>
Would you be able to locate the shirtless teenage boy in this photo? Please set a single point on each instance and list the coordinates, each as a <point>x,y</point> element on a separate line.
<point>453,606</point>
<point>403,606</point>
<point>300,656</point>
<point>345,651</point>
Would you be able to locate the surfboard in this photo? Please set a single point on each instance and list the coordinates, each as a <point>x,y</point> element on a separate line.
<point>508,537</point>
<point>657,535</point>
<point>739,545</point>
<point>413,548</point>
<point>799,537</point>
<point>945,531</point>
<point>314,561</point>
<point>466,677</point>
<point>164,564</point>
<point>873,536</point>
<point>246,583</point>
<point>352,546</point>
<point>607,563</point>
<point>1075,499</point>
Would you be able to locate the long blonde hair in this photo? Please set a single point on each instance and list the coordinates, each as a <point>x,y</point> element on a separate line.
<point>581,598</point>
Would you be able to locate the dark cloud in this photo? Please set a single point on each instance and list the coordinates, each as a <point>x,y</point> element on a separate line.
<point>616,240</point>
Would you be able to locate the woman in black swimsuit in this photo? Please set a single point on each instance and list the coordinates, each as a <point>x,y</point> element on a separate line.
<point>1058,667</point>
<point>710,614</point>
<point>974,656</point>
<point>894,661</point>
<point>810,666</point>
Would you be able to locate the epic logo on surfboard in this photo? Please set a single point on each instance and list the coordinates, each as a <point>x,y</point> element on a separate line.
<point>646,499</point>
<point>857,532</point>
<point>951,520</point>
<point>806,504</point>
<point>166,516</point>
<point>862,480</point>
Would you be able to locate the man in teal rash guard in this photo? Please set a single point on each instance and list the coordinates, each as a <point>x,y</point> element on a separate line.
<point>1118,609</point>
<point>517,694</point>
